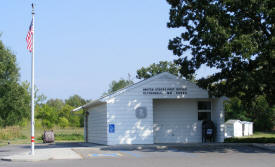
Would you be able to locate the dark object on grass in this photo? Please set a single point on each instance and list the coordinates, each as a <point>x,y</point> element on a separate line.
<point>208,131</point>
<point>48,137</point>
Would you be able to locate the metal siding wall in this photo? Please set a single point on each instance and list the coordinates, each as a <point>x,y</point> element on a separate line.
<point>84,129</point>
<point>246,130</point>
<point>218,117</point>
<point>238,129</point>
<point>128,128</point>
<point>251,129</point>
<point>176,121</point>
<point>121,111</point>
<point>97,124</point>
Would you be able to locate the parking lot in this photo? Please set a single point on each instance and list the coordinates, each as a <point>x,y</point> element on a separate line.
<point>214,156</point>
<point>94,153</point>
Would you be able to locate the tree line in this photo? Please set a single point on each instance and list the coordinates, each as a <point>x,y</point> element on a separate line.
<point>15,99</point>
<point>234,37</point>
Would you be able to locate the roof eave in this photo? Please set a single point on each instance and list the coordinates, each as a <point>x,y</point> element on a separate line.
<point>93,103</point>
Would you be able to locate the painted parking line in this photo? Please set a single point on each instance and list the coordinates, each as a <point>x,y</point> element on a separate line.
<point>105,155</point>
<point>131,154</point>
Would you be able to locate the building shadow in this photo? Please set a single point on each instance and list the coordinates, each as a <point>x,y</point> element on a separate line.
<point>200,148</point>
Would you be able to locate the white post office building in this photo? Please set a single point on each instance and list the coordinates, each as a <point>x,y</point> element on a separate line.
<point>161,109</point>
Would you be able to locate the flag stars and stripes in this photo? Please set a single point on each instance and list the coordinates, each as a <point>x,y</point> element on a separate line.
<point>29,37</point>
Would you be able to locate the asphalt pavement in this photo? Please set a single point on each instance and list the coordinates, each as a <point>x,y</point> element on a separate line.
<point>206,156</point>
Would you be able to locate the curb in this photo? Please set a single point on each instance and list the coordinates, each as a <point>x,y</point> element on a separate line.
<point>172,146</point>
<point>181,146</point>
<point>24,160</point>
<point>262,146</point>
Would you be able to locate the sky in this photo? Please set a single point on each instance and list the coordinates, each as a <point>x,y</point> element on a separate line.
<point>82,46</point>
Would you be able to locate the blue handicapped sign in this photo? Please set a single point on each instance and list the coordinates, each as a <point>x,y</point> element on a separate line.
<point>111,128</point>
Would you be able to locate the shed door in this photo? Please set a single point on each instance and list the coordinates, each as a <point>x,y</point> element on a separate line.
<point>176,121</point>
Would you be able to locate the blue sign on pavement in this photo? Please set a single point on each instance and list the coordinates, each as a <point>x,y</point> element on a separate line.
<point>111,128</point>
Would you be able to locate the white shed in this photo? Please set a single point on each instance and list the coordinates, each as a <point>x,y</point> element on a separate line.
<point>161,109</point>
<point>250,128</point>
<point>247,128</point>
<point>233,128</point>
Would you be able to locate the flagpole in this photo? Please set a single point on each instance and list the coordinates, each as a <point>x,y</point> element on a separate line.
<point>32,85</point>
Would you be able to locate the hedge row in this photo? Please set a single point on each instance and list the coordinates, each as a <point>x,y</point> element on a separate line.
<point>250,140</point>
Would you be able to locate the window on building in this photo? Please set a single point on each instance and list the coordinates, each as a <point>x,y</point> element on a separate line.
<point>204,116</point>
<point>204,110</point>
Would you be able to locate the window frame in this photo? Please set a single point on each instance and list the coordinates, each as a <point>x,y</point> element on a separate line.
<point>204,110</point>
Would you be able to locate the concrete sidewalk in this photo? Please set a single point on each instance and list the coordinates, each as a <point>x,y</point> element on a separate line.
<point>44,154</point>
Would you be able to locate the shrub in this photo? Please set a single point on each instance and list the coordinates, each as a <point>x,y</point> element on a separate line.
<point>250,140</point>
<point>63,122</point>
<point>74,136</point>
<point>48,116</point>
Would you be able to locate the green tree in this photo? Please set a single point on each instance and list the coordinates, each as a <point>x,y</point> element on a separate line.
<point>116,85</point>
<point>65,111</point>
<point>234,109</point>
<point>14,101</point>
<point>75,101</point>
<point>260,113</point>
<point>156,68</point>
<point>235,37</point>
<point>78,117</point>
<point>264,116</point>
<point>63,122</point>
<point>57,104</point>
<point>63,116</point>
<point>162,66</point>
<point>48,116</point>
<point>38,97</point>
<point>74,118</point>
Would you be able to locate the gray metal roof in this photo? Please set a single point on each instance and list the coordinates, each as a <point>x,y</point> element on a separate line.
<point>232,121</point>
<point>103,98</point>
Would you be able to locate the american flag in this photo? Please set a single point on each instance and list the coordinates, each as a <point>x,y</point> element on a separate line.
<point>29,37</point>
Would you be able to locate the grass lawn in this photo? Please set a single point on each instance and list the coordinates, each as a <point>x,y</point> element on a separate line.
<point>257,137</point>
<point>262,134</point>
<point>21,135</point>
